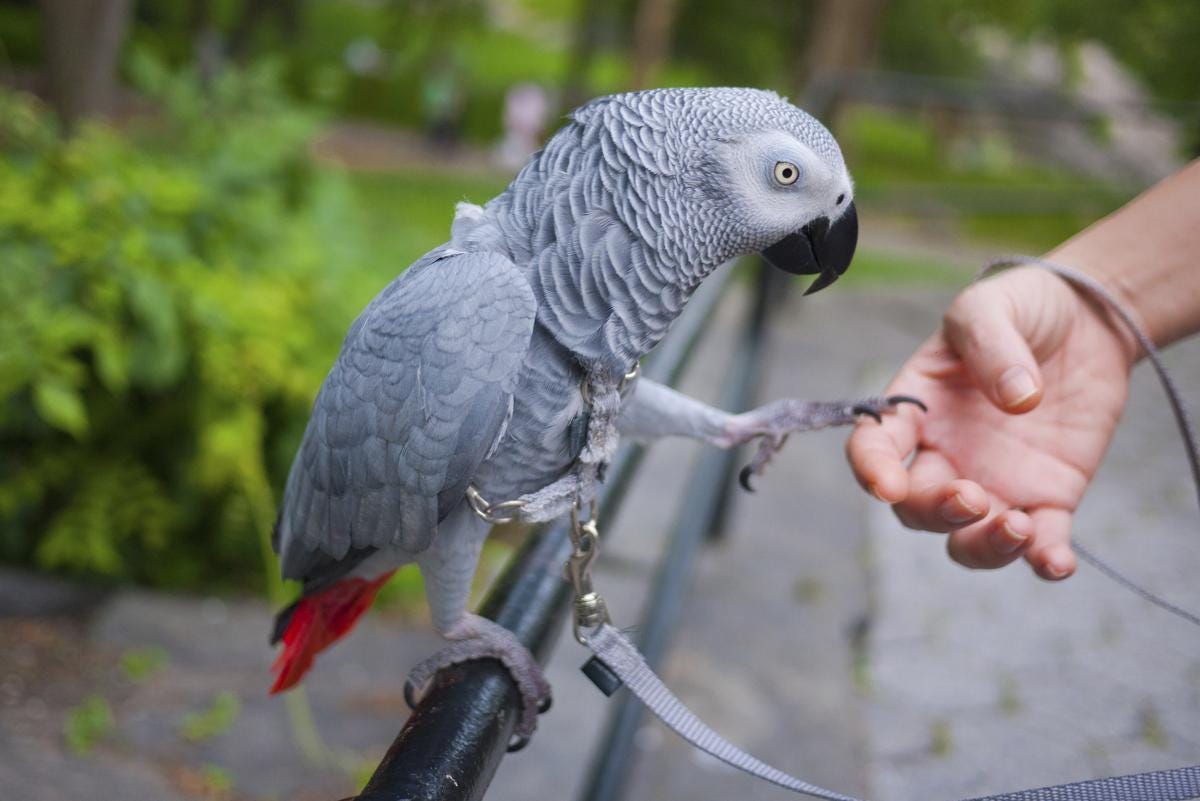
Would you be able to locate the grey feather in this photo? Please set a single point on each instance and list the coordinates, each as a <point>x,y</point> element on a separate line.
<point>467,367</point>
<point>413,404</point>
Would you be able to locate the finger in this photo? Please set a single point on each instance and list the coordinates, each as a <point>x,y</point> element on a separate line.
<point>1050,554</point>
<point>877,453</point>
<point>994,542</point>
<point>981,327</point>
<point>938,500</point>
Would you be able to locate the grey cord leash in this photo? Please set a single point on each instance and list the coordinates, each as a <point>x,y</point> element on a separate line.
<point>618,661</point>
<point>1187,433</point>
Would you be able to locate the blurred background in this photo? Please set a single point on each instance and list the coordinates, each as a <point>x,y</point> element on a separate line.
<point>198,196</point>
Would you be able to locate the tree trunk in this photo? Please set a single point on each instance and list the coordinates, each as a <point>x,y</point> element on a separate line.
<point>254,14</point>
<point>651,39</point>
<point>842,37</point>
<point>83,42</point>
<point>583,50</point>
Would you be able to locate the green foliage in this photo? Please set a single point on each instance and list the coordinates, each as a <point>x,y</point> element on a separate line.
<point>902,166</point>
<point>217,781</point>
<point>88,724</point>
<point>1154,38</point>
<point>168,307</point>
<point>139,664</point>
<point>214,721</point>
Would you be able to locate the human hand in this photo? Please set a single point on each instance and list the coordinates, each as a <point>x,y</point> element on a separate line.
<point>1025,383</point>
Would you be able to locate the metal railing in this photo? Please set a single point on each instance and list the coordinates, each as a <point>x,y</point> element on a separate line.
<point>452,744</point>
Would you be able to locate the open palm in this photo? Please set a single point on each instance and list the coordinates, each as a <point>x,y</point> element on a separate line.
<point>1001,460</point>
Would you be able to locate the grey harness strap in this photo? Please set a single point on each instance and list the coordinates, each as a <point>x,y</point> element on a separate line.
<point>621,656</point>
<point>625,664</point>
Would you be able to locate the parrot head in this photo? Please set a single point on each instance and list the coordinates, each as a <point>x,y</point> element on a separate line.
<point>781,186</point>
<point>723,172</point>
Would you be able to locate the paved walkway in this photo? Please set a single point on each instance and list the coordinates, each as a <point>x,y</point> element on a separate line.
<point>819,635</point>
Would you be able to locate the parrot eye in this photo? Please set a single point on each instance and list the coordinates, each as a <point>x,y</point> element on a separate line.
<point>786,173</point>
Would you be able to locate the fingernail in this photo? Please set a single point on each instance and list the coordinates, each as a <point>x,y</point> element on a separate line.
<point>875,491</point>
<point>1016,386</point>
<point>1008,541</point>
<point>1057,569</point>
<point>955,509</point>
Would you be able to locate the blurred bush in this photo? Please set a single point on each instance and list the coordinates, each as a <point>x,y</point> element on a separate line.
<point>167,310</point>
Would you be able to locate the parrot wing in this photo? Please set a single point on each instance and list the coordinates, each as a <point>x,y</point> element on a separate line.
<point>418,397</point>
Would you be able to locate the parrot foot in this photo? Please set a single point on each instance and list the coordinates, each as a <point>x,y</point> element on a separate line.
<point>775,421</point>
<point>475,637</point>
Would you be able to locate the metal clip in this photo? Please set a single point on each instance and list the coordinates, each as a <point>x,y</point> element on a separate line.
<point>494,513</point>
<point>627,379</point>
<point>590,610</point>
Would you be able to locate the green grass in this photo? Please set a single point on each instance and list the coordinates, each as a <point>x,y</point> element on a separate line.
<point>902,167</point>
<point>403,215</point>
<point>881,268</point>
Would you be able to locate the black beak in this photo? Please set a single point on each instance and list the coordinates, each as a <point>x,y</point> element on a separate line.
<point>818,248</point>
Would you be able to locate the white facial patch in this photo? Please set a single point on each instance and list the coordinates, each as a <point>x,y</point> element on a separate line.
<point>778,209</point>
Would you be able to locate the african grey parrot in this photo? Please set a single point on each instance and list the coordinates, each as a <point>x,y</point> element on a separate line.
<point>498,366</point>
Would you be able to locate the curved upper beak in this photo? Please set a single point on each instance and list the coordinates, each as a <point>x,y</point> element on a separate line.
<point>818,248</point>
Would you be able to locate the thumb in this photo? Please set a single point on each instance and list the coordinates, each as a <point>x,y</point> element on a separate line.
<point>982,326</point>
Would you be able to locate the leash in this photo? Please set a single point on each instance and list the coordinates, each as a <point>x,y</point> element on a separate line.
<point>616,660</point>
<point>1186,431</point>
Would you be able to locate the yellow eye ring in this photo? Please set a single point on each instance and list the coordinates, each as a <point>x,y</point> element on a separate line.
<point>786,173</point>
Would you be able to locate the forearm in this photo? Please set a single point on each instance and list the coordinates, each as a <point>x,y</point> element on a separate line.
<point>1148,252</point>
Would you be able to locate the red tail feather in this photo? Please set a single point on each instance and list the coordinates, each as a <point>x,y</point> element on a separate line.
<point>319,620</point>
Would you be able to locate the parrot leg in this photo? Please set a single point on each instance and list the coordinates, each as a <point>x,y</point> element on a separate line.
<point>448,566</point>
<point>775,421</point>
<point>657,411</point>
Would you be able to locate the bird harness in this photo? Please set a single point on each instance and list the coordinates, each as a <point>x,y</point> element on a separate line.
<point>616,660</point>
<point>578,485</point>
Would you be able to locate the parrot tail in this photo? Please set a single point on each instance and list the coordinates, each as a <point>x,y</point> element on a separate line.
<point>314,622</point>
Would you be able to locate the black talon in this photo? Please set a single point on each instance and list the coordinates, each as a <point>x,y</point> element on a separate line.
<point>545,704</point>
<point>744,478</point>
<point>518,742</point>
<point>867,410</point>
<point>896,400</point>
<point>410,694</point>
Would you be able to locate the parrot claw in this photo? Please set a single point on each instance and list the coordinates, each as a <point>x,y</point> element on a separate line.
<point>868,411</point>
<point>744,478</point>
<point>475,637</point>
<point>518,742</point>
<point>896,400</point>
<point>775,421</point>
<point>875,407</point>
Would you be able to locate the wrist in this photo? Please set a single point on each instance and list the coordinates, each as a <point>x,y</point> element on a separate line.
<point>1122,290</point>
<point>1144,253</point>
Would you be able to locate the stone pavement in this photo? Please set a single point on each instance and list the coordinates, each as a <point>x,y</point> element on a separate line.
<point>819,634</point>
<point>986,682</point>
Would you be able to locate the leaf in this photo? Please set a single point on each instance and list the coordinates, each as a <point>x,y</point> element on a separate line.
<point>214,721</point>
<point>88,724</point>
<point>60,406</point>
